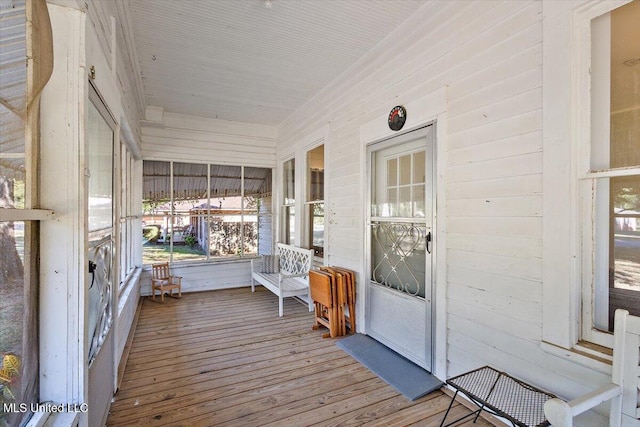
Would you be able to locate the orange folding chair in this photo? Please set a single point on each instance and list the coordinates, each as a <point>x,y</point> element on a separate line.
<point>348,301</point>
<point>323,294</point>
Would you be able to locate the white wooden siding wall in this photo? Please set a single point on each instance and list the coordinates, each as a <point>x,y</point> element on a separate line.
<point>489,55</point>
<point>206,277</point>
<point>194,139</point>
<point>127,72</point>
<point>115,40</point>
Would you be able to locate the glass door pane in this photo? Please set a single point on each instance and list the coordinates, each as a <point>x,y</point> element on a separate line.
<point>399,226</point>
<point>398,253</point>
<point>399,181</point>
<point>99,145</point>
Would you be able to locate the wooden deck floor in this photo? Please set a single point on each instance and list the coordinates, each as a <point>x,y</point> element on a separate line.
<point>225,358</point>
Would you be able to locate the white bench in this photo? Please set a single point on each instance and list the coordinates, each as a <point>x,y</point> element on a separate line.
<point>624,388</point>
<point>293,278</point>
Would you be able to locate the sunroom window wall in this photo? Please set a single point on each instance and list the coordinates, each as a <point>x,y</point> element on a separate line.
<point>199,212</point>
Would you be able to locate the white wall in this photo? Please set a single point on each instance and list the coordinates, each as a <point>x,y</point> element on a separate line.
<point>195,139</point>
<point>487,55</point>
<point>206,276</point>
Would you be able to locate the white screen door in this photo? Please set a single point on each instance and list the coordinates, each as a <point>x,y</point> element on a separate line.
<point>398,305</point>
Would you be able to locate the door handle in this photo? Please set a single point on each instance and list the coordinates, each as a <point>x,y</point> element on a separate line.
<point>428,240</point>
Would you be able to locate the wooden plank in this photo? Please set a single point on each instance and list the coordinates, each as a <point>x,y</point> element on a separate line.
<point>499,187</point>
<point>526,311</point>
<point>198,135</point>
<point>497,206</point>
<point>333,398</point>
<point>285,352</point>
<point>188,332</point>
<point>520,247</point>
<point>501,109</point>
<point>240,372</point>
<point>181,121</point>
<point>522,77</point>
<point>182,154</point>
<point>207,145</point>
<point>499,284</point>
<point>384,409</point>
<point>198,359</point>
<point>222,358</point>
<point>160,341</point>
<point>429,413</point>
<point>223,393</point>
<point>496,149</point>
<point>518,125</point>
<point>498,321</point>
<point>518,226</point>
<point>527,164</point>
<point>524,268</point>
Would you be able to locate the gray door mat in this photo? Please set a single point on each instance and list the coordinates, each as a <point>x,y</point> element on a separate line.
<point>406,377</point>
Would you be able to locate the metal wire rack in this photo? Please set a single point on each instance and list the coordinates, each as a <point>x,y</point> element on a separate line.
<point>501,394</point>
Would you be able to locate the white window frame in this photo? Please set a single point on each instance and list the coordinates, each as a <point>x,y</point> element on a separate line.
<point>595,263</point>
<point>310,204</point>
<point>127,215</point>
<point>566,160</point>
<point>284,206</point>
<point>208,258</point>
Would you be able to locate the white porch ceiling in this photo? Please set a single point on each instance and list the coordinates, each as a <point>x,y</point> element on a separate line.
<point>239,60</point>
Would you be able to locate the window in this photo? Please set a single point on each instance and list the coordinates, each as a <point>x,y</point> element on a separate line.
<point>257,208</point>
<point>18,298</point>
<point>19,216</point>
<point>127,213</point>
<point>315,199</point>
<point>288,202</point>
<point>199,212</point>
<point>100,211</point>
<point>610,187</point>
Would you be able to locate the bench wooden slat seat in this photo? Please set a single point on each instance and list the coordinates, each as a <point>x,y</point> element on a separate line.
<point>292,279</point>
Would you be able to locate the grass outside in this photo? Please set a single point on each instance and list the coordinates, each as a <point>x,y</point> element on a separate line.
<point>152,253</point>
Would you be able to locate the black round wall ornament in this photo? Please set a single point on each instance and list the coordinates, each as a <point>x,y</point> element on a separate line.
<point>397,117</point>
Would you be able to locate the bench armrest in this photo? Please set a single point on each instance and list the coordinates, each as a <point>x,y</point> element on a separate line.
<point>560,413</point>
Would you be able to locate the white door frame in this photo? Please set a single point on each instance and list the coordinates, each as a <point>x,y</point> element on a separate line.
<point>430,109</point>
<point>414,339</point>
